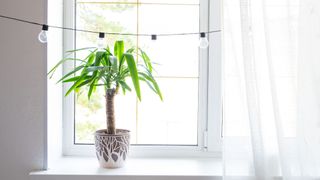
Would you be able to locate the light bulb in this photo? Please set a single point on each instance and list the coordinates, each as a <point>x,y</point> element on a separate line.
<point>100,43</point>
<point>43,36</point>
<point>203,43</point>
<point>152,44</point>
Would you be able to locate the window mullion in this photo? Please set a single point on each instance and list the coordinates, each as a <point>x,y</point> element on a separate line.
<point>68,101</point>
<point>214,79</point>
<point>203,80</point>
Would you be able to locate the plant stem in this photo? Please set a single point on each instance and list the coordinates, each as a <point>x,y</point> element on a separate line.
<point>111,127</point>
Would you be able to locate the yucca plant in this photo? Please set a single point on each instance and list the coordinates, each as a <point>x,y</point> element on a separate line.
<point>102,68</point>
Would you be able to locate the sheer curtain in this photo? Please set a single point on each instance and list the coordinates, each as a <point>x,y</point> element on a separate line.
<point>271,89</point>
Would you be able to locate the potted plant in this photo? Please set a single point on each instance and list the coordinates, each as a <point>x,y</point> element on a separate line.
<point>103,69</point>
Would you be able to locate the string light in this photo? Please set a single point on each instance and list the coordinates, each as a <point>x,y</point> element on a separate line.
<point>153,37</point>
<point>100,40</point>
<point>203,43</point>
<point>43,38</point>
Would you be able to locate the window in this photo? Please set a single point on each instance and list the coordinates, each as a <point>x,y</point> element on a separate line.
<point>184,119</point>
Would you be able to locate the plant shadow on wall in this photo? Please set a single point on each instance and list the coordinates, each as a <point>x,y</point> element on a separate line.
<point>110,71</point>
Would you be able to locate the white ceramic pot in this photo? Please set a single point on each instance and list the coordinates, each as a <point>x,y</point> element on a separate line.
<point>112,149</point>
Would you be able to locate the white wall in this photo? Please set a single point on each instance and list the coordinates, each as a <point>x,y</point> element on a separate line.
<point>22,90</point>
<point>54,91</point>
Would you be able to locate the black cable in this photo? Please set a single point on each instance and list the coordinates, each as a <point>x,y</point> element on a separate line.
<point>108,33</point>
<point>21,20</point>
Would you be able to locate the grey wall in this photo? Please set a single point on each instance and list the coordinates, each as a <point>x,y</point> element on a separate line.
<point>22,90</point>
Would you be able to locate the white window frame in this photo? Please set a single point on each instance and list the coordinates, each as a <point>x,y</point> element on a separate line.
<point>210,94</point>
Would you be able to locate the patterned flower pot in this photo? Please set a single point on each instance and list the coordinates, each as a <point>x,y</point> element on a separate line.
<point>112,149</point>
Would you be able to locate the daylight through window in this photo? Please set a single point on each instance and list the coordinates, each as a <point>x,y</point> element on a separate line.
<point>151,121</point>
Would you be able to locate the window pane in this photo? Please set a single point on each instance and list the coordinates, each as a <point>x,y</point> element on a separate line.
<point>142,1</point>
<point>106,18</point>
<point>170,1</point>
<point>174,56</point>
<point>171,51</point>
<point>173,121</point>
<point>168,18</point>
<point>150,121</point>
<point>158,122</point>
<point>107,1</point>
<point>90,115</point>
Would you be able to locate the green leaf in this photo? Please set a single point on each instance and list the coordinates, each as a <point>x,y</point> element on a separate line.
<point>71,72</point>
<point>125,72</point>
<point>101,68</point>
<point>91,57</point>
<point>91,89</point>
<point>99,84</point>
<point>99,57</point>
<point>146,60</point>
<point>80,49</point>
<point>148,83</point>
<point>94,68</point>
<point>122,59</point>
<point>131,50</point>
<point>71,79</point>
<point>106,61</point>
<point>61,62</point>
<point>133,73</point>
<point>100,74</point>
<point>150,78</point>
<point>108,50</point>
<point>118,49</point>
<point>75,84</point>
<point>83,83</point>
<point>124,85</point>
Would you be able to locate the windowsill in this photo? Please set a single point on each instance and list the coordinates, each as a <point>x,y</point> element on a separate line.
<point>69,168</point>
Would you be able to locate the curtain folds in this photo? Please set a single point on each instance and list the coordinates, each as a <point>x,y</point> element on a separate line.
<point>271,89</point>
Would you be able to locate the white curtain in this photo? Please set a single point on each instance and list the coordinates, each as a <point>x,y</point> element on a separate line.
<point>271,89</point>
